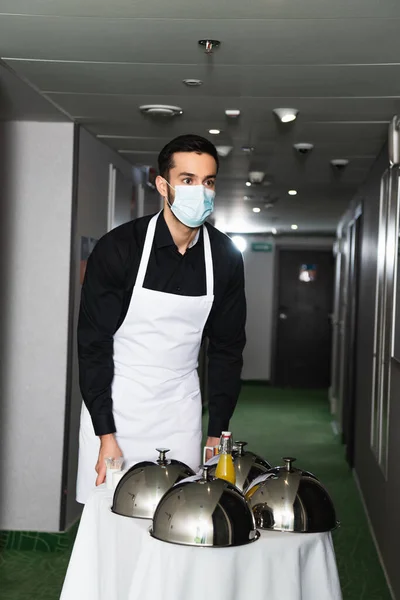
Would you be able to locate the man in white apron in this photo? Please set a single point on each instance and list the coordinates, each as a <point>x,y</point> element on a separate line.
<point>152,287</point>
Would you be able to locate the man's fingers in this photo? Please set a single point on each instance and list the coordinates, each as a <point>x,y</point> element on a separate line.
<point>101,477</point>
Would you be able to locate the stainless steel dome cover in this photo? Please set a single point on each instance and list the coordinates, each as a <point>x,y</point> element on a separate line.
<point>204,512</point>
<point>289,499</point>
<point>248,466</point>
<point>143,486</point>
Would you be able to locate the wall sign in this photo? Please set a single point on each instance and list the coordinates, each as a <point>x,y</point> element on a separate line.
<point>261,247</point>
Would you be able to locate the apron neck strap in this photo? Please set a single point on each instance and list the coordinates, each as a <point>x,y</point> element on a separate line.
<point>148,244</point>
<point>208,262</point>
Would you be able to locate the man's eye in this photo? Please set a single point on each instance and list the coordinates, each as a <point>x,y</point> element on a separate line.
<point>187,181</point>
<point>210,183</point>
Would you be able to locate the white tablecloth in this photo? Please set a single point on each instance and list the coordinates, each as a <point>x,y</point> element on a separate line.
<point>114,558</point>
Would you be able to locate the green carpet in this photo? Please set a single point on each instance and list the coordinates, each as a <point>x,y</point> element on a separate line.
<point>275,423</point>
<point>298,423</point>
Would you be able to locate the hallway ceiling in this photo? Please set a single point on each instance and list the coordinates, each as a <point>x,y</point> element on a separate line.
<point>336,62</point>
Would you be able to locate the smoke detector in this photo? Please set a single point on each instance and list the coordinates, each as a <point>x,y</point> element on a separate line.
<point>161,110</point>
<point>193,82</point>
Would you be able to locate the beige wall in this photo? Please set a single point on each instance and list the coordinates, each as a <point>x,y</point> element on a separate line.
<point>36,228</point>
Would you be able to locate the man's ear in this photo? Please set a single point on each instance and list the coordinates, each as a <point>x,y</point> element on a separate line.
<point>162,186</point>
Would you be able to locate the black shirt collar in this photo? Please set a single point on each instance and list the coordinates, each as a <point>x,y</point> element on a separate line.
<point>163,237</point>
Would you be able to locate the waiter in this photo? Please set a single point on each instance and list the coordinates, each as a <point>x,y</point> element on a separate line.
<point>153,289</point>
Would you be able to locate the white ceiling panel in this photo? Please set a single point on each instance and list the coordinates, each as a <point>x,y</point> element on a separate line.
<point>18,102</point>
<point>184,9</point>
<point>141,79</point>
<point>226,81</point>
<point>319,81</point>
<point>161,41</point>
<point>110,108</point>
<point>336,62</point>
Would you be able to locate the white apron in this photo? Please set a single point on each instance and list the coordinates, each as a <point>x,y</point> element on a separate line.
<point>155,391</point>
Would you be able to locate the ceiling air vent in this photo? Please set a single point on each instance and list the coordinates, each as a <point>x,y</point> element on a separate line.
<point>161,110</point>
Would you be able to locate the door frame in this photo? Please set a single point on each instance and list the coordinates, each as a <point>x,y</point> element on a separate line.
<point>275,308</point>
<point>349,358</point>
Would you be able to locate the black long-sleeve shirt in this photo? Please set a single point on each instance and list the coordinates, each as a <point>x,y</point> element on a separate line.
<point>106,293</point>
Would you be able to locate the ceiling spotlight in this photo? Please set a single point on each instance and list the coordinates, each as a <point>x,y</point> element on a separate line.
<point>303,148</point>
<point>256,176</point>
<point>214,131</point>
<point>294,227</point>
<point>256,210</point>
<point>223,151</point>
<point>248,183</point>
<point>193,82</point>
<point>286,114</point>
<point>233,113</point>
<point>247,149</point>
<point>161,110</point>
<point>274,231</point>
<point>339,163</point>
<point>292,192</point>
<point>239,242</point>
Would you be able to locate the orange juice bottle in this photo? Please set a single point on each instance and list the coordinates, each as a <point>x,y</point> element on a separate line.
<point>225,468</point>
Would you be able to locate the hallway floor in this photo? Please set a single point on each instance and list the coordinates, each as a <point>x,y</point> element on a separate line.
<point>275,423</point>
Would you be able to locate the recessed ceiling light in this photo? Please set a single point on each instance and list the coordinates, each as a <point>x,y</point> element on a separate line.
<point>246,198</point>
<point>161,110</point>
<point>256,210</point>
<point>294,227</point>
<point>214,131</point>
<point>223,151</point>
<point>232,112</point>
<point>193,82</point>
<point>248,183</point>
<point>247,149</point>
<point>274,231</point>
<point>292,192</point>
<point>286,114</point>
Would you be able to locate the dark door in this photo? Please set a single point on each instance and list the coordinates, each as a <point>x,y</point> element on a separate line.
<point>305,299</point>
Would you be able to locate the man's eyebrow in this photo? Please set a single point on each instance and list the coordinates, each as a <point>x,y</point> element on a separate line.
<point>213,176</point>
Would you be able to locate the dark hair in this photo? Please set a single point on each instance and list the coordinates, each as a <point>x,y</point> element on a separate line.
<point>184,143</point>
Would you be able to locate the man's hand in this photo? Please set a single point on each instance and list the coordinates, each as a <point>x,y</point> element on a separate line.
<point>108,449</point>
<point>211,441</point>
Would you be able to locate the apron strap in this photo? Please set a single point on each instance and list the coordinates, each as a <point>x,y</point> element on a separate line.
<point>147,250</point>
<point>208,262</point>
<point>148,243</point>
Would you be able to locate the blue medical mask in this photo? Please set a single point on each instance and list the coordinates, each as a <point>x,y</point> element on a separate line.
<point>193,204</point>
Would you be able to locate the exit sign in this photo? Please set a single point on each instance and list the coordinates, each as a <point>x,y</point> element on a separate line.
<point>261,247</point>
